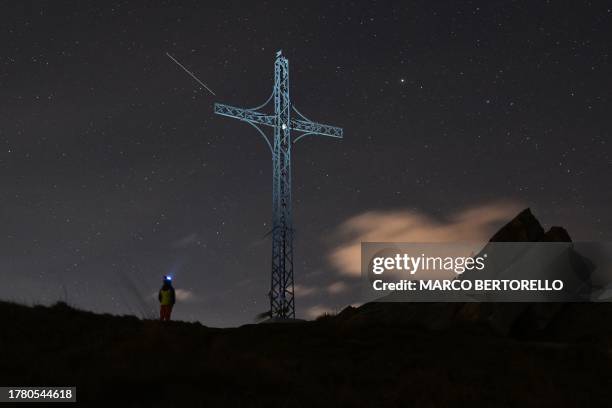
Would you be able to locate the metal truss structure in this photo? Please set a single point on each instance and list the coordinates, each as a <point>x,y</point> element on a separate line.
<point>282,303</point>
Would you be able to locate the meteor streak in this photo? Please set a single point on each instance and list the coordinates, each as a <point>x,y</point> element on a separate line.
<point>189,72</point>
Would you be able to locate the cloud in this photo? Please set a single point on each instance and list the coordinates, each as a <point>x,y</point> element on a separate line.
<point>473,224</point>
<point>337,287</point>
<point>184,295</point>
<point>315,311</point>
<point>185,241</point>
<point>301,291</point>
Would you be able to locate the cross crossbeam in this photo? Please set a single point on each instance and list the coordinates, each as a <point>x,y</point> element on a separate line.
<point>258,118</point>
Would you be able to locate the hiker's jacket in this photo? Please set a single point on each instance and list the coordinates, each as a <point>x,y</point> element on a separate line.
<point>166,296</point>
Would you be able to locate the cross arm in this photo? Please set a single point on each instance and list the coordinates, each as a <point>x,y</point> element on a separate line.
<point>316,128</point>
<point>246,115</point>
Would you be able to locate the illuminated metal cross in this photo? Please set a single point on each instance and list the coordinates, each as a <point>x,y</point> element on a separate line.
<point>282,303</point>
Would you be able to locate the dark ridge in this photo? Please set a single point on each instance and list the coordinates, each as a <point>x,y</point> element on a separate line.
<point>522,228</point>
<point>125,361</point>
<point>550,321</point>
<point>525,227</point>
<point>557,234</point>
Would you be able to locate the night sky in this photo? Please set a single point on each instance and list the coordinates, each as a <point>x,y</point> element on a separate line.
<point>114,170</point>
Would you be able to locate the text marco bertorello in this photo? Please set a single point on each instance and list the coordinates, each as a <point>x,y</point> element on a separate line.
<point>404,263</point>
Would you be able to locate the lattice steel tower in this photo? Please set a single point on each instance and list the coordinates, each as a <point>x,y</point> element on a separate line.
<point>282,303</point>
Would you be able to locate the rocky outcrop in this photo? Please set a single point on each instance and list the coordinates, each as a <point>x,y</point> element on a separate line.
<point>521,320</point>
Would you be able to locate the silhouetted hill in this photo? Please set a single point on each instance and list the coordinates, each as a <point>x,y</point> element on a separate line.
<point>377,355</point>
<point>127,362</point>
<point>550,321</point>
<point>525,227</point>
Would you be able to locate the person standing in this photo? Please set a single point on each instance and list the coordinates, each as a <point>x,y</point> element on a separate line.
<point>167,298</point>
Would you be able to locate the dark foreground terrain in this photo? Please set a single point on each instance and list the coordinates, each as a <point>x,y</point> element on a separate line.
<point>378,355</point>
<point>358,358</point>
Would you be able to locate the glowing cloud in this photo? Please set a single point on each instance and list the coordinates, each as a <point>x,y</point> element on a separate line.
<point>337,287</point>
<point>302,290</point>
<point>315,311</point>
<point>184,295</point>
<point>473,224</point>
